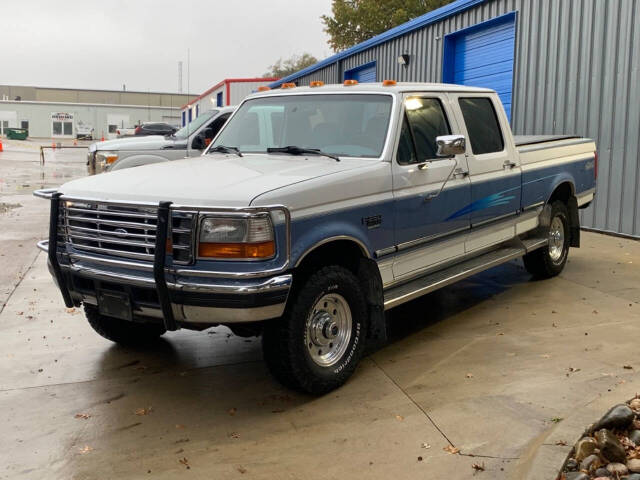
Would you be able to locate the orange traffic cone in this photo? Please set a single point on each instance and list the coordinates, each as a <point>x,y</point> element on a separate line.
<point>0,144</point>
<point>102,139</point>
<point>53,144</point>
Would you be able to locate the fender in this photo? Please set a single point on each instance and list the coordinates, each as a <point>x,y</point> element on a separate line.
<point>315,237</point>
<point>559,179</point>
<point>136,161</point>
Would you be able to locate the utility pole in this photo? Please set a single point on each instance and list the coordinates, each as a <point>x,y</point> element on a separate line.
<point>180,76</point>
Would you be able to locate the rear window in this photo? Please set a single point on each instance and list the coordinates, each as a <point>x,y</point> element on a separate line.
<point>482,124</point>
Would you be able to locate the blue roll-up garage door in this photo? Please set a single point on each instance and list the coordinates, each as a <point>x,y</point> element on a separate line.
<point>482,56</point>
<point>363,73</point>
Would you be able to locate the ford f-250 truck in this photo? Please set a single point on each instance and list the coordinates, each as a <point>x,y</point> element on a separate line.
<point>129,152</point>
<point>313,211</point>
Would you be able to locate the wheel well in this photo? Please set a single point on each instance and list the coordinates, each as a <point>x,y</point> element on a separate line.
<point>563,192</point>
<point>345,253</point>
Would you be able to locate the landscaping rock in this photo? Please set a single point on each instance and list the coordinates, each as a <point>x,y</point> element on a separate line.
<point>635,403</point>
<point>634,465</point>
<point>610,446</point>
<point>619,468</point>
<point>619,416</point>
<point>602,473</point>
<point>572,464</point>
<point>584,447</point>
<point>634,436</point>
<point>590,463</point>
<point>633,476</point>
<point>576,476</point>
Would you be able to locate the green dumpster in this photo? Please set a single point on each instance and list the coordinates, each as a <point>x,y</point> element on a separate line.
<point>17,133</point>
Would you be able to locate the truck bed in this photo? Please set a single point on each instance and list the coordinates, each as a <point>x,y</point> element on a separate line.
<point>522,140</point>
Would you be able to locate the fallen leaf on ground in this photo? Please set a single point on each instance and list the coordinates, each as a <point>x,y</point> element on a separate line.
<point>234,435</point>
<point>573,369</point>
<point>557,419</point>
<point>232,411</point>
<point>144,411</point>
<point>628,367</point>
<point>479,467</point>
<point>242,470</point>
<point>179,426</point>
<point>399,417</point>
<point>546,356</point>
<point>561,443</point>
<point>185,462</point>
<point>469,375</point>
<point>451,449</point>
<point>425,445</point>
<point>84,416</point>
<point>85,449</point>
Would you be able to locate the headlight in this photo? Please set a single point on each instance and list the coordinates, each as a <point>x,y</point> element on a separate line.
<point>106,158</point>
<point>237,238</point>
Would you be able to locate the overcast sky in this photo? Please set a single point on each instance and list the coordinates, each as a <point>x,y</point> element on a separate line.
<point>103,44</point>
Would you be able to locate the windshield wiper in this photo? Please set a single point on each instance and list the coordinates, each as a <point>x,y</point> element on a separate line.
<point>225,149</point>
<point>294,150</point>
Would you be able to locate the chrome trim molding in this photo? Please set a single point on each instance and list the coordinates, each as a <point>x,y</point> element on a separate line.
<point>532,206</point>
<point>430,238</point>
<point>586,196</point>
<point>213,315</point>
<point>494,219</point>
<point>385,251</point>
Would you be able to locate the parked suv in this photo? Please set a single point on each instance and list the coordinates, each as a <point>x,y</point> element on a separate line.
<point>314,210</point>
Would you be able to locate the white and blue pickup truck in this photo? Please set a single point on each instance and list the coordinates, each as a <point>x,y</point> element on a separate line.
<point>313,211</point>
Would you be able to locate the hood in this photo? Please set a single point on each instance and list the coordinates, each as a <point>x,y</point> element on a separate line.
<point>208,180</point>
<point>150,142</point>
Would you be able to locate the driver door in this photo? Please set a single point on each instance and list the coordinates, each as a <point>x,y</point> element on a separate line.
<point>430,192</point>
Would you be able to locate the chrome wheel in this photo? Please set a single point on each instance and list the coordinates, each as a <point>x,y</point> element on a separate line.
<point>556,240</point>
<point>328,329</point>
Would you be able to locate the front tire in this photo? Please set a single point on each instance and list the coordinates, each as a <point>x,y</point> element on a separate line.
<point>549,261</point>
<point>317,344</point>
<point>122,331</point>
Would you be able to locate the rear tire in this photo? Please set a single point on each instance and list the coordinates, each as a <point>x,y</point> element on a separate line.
<point>549,261</point>
<point>317,344</point>
<point>122,331</point>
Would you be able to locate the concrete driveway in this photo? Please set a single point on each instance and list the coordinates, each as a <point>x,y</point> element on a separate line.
<point>490,366</point>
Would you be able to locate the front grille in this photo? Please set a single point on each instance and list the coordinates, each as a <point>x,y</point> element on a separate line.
<point>124,231</point>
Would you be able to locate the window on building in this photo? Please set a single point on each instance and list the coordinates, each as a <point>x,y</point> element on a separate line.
<point>24,124</point>
<point>482,124</point>
<point>113,128</point>
<point>425,120</point>
<point>67,128</point>
<point>57,128</point>
<point>3,126</point>
<point>219,99</point>
<point>184,118</point>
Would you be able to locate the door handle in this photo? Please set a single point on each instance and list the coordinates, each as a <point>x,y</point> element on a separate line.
<point>508,164</point>
<point>460,173</point>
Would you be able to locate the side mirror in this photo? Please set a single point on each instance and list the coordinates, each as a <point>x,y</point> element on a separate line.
<point>449,145</point>
<point>198,142</point>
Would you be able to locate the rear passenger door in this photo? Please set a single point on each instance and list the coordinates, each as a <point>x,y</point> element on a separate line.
<point>493,168</point>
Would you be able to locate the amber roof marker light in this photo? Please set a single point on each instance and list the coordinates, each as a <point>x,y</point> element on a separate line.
<point>288,85</point>
<point>264,88</point>
<point>349,83</point>
<point>316,83</point>
<point>389,83</point>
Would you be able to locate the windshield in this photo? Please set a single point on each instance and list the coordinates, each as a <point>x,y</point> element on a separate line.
<point>189,128</point>
<point>350,125</point>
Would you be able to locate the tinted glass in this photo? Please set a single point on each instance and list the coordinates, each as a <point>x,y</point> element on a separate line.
<point>187,130</point>
<point>482,125</point>
<point>427,121</point>
<point>406,152</point>
<point>342,124</point>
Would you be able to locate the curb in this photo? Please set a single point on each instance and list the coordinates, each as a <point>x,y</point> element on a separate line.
<point>543,459</point>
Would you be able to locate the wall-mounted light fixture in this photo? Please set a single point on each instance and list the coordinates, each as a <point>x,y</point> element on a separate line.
<point>404,59</point>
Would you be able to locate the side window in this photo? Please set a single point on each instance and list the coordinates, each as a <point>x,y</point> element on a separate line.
<point>406,152</point>
<point>426,120</point>
<point>482,123</point>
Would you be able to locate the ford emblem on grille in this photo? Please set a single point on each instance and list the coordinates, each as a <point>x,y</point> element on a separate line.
<point>121,232</point>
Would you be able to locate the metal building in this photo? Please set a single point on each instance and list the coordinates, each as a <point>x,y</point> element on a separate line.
<point>559,66</point>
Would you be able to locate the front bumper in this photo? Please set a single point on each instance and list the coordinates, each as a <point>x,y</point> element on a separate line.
<point>193,300</point>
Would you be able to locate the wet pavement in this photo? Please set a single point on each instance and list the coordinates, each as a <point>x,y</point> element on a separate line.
<point>491,366</point>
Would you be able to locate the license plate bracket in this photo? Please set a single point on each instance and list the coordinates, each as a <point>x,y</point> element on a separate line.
<point>115,304</point>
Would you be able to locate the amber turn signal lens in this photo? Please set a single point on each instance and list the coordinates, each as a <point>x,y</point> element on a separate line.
<point>288,85</point>
<point>389,83</point>
<point>348,83</point>
<point>263,88</point>
<point>316,83</point>
<point>237,250</point>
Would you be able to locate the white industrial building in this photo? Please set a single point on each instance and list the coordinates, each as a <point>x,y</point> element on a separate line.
<point>61,113</point>
<point>229,91</point>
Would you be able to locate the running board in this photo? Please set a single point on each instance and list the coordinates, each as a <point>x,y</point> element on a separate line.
<point>421,286</point>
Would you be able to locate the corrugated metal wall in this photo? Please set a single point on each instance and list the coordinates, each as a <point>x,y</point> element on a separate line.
<point>577,71</point>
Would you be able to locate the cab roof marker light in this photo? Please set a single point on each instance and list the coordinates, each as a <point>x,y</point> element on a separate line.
<point>288,85</point>
<point>389,83</point>
<point>316,83</point>
<point>262,88</point>
<point>349,83</point>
